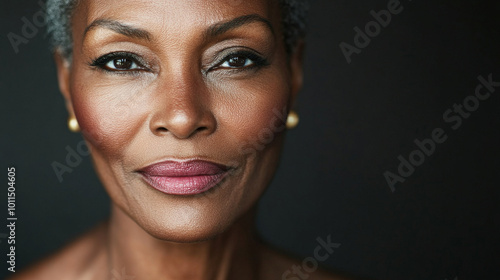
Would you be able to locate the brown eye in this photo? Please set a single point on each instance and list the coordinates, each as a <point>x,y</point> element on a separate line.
<point>119,62</point>
<point>122,63</point>
<point>241,60</point>
<point>237,61</point>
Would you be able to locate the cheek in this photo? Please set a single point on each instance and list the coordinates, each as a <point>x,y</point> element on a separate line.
<point>109,115</point>
<point>256,112</point>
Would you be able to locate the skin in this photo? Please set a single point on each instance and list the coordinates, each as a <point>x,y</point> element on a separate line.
<point>182,103</point>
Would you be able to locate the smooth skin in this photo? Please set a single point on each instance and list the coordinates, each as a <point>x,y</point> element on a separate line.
<point>177,80</point>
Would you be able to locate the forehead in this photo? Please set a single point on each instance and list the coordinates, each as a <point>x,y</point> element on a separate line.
<point>172,16</point>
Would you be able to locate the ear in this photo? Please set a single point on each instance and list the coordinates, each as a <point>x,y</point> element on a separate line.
<point>63,76</point>
<point>296,70</point>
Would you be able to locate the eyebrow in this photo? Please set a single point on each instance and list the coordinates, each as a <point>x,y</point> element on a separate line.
<point>120,28</point>
<point>212,31</point>
<point>221,28</point>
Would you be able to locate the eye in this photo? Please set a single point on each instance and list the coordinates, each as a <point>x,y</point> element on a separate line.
<point>241,60</point>
<point>237,61</point>
<point>119,62</point>
<point>122,64</point>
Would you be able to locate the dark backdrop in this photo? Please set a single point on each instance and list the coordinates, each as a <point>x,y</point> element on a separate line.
<point>442,222</point>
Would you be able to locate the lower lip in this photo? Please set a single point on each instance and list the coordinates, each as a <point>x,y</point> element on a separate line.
<point>188,185</point>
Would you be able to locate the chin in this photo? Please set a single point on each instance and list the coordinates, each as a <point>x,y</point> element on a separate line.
<point>185,235</point>
<point>185,229</point>
<point>184,220</point>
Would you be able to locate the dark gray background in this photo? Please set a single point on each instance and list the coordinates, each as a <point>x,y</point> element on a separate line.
<point>356,119</point>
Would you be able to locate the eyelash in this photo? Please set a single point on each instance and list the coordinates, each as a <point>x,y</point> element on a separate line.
<point>257,61</point>
<point>101,62</point>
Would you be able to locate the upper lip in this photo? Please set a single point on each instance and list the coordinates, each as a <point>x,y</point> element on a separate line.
<point>172,168</point>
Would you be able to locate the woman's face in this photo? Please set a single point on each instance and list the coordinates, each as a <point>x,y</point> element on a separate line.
<point>183,85</point>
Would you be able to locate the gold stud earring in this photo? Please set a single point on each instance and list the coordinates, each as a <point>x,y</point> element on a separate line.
<point>73,124</point>
<point>293,120</point>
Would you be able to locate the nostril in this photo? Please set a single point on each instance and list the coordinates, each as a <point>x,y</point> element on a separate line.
<point>182,125</point>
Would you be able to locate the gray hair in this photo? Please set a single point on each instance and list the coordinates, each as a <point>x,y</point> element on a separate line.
<point>60,13</point>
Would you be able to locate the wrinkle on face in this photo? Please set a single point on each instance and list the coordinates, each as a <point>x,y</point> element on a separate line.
<point>178,109</point>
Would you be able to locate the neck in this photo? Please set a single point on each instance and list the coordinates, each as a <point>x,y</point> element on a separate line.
<point>132,252</point>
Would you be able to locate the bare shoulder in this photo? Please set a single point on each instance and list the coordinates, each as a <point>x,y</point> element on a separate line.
<point>277,265</point>
<point>74,261</point>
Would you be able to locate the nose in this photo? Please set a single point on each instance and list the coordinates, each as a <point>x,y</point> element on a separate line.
<point>182,108</point>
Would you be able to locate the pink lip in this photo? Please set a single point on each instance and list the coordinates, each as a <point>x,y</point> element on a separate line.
<point>184,178</point>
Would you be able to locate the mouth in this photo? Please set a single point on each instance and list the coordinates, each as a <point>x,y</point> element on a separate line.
<point>184,178</point>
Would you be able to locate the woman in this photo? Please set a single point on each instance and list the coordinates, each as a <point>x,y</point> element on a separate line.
<point>183,105</point>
